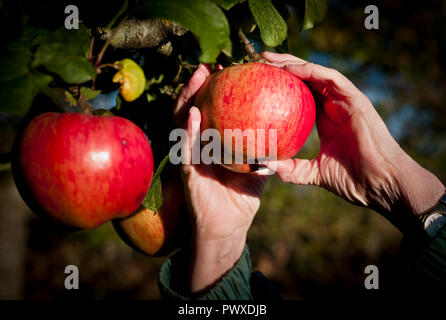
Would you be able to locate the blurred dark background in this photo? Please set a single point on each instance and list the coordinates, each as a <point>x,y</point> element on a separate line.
<point>307,241</point>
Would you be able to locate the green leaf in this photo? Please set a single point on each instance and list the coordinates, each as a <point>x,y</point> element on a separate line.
<point>273,29</point>
<point>16,96</point>
<point>72,69</point>
<point>154,197</point>
<point>103,112</point>
<point>202,17</point>
<point>227,50</point>
<point>70,99</point>
<point>154,80</point>
<point>63,52</point>
<point>31,36</point>
<point>315,11</point>
<point>89,93</point>
<point>118,102</point>
<point>62,43</point>
<point>227,4</point>
<point>123,9</point>
<point>60,97</point>
<point>151,97</point>
<point>14,64</point>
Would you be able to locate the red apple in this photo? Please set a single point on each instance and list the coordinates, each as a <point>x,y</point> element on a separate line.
<point>83,170</point>
<point>258,96</point>
<point>158,233</point>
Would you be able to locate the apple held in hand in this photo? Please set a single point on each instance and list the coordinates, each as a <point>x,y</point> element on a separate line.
<point>83,170</point>
<point>158,233</point>
<point>255,96</point>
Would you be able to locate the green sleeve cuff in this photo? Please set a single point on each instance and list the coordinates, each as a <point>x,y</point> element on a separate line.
<point>426,259</point>
<point>235,284</point>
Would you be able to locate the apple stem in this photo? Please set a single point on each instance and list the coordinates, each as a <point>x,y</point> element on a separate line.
<point>249,48</point>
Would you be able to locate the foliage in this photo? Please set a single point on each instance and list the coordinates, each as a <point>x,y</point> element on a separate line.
<point>301,233</point>
<point>154,198</point>
<point>61,64</point>
<point>273,28</point>
<point>202,17</point>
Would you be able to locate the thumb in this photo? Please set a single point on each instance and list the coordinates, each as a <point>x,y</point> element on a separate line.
<point>191,146</point>
<point>187,93</point>
<point>297,171</point>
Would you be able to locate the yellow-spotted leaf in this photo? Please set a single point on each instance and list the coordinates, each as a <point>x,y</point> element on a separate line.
<point>131,78</point>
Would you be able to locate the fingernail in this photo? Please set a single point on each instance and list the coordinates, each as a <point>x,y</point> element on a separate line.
<point>264,171</point>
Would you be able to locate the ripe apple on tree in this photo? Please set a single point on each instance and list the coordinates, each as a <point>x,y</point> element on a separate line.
<point>257,96</point>
<point>158,233</point>
<point>82,170</point>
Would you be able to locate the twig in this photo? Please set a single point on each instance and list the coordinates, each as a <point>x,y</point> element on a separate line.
<point>249,48</point>
<point>137,34</point>
<point>90,52</point>
<point>111,65</point>
<point>107,43</point>
<point>84,105</point>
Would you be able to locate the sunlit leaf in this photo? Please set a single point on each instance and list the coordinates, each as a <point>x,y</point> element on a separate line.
<point>118,102</point>
<point>315,11</point>
<point>273,29</point>
<point>154,197</point>
<point>151,97</point>
<point>89,93</point>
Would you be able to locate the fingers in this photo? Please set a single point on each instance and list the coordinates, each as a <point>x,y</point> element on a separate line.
<point>323,80</point>
<point>297,171</point>
<point>264,171</point>
<point>301,68</point>
<point>187,93</point>
<point>282,59</point>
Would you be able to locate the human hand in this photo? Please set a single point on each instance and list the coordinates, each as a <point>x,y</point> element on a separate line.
<point>358,159</point>
<point>222,203</point>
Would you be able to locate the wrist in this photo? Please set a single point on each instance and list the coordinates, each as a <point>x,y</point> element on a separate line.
<point>403,190</point>
<point>419,189</point>
<point>212,259</point>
